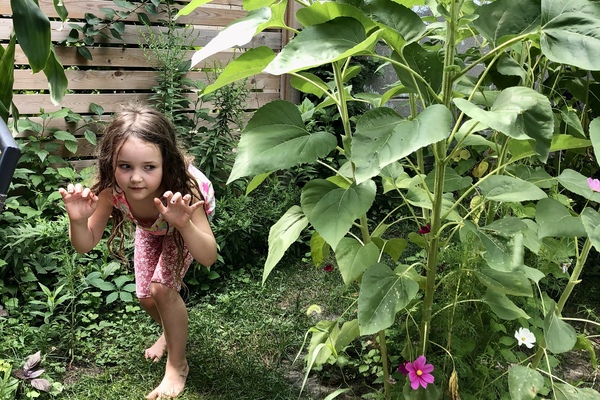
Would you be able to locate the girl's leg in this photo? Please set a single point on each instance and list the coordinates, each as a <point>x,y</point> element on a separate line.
<point>158,349</point>
<point>148,249</point>
<point>174,317</point>
<point>164,290</point>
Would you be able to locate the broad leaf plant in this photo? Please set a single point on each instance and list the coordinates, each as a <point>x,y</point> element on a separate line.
<point>497,90</point>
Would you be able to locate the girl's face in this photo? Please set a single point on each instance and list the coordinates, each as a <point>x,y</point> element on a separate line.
<point>139,170</point>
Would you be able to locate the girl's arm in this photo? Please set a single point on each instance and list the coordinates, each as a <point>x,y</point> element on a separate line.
<point>88,215</point>
<point>199,238</point>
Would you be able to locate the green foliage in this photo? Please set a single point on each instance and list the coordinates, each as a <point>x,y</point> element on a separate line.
<point>166,52</point>
<point>215,136</point>
<point>241,221</point>
<point>110,23</point>
<point>475,164</point>
<point>32,31</point>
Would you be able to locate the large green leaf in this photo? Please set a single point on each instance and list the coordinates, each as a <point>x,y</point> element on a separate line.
<point>591,222</point>
<point>508,188</point>
<point>560,336</point>
<point>324,43</point>
<point>426,64</point>
<point>578,184</point>
<point>238,33</point>
<point>564,391</point>
<point>536,175</point>
<point>321,12</point>
<point>452,180</point>
<point>397,17</point>
<point>191,6</point>
<point>514,282</point>
<point>595,137</point>
<point>7,78</point>
<point>383,293</point>
<point>553,8</point>
<point>383,137</point>
<point>281,235</point>
<point>502,306</point>
<point>501,253</point>
<point>524,148</point>
<point>250,63</point>
<point>518,112</point>
<point>332,209</point>
<point>572,38</point>
<point>524,383</point>
<point>33,32</point>
<point>353,258</point>
<point>276,138</point>
<point>507,17</point>
<point>555,220</point>
<point>57,80</point>
<point>348,333</point>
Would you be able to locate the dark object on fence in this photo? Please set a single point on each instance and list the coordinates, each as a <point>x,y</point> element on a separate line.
<point>9,156</point>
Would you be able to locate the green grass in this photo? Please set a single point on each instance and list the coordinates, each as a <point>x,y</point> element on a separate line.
<point>243,339</point>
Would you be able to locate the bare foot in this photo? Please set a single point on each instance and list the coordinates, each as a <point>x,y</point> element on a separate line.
<point>172,384</point>
<point>157,350</point>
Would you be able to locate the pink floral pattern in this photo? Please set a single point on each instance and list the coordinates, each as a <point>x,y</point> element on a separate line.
<point>155,260</point>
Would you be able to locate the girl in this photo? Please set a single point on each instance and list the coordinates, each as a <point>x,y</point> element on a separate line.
<point>144,177</point>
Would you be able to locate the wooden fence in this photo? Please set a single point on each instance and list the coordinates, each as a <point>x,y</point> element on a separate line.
<point>120,71</point>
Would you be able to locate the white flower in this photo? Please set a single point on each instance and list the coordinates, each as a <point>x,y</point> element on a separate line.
<point>524,336</point>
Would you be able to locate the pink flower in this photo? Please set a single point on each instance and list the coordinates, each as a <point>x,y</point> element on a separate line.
<point>594,184</point>
<point>425,229</point>
<point>328,268</point>
<point>402,368</point>
<point>419,373</point>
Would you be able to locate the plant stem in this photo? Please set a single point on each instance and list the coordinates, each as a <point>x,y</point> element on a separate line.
<point>440,150</point>
<point>387,387</point>
<point>573,280</point>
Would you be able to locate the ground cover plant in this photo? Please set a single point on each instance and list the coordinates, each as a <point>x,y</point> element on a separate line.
<point>493,165</point>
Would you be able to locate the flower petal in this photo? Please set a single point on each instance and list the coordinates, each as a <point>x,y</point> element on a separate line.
<point>427,368</point>
<point>427,378</point>
<point>414,384</point>
<point>420,362</point>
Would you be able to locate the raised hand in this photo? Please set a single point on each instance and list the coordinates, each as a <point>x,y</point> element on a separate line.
<point>178,210</point>
<point>80,202</point>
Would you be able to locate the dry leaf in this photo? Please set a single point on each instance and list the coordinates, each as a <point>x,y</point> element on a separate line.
<point>33,361</point>
<point>41,384</point>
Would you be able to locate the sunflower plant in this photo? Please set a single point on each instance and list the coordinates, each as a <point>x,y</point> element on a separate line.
<point>501,123</point>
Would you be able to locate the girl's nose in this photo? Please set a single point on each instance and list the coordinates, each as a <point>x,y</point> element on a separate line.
<point>136,177</point>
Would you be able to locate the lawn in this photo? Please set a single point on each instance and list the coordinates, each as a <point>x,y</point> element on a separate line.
<point>244,338</point>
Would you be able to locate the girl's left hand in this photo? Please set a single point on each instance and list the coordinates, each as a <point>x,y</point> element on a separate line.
<point>178,210</point>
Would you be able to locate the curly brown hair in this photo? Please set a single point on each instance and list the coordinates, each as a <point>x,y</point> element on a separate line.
<point>146,123</point>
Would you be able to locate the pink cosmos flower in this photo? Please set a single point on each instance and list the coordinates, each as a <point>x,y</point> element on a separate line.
<point>425,229</point>
<point>419,373</point>
<point>594,184</point>
<point>402,368</point>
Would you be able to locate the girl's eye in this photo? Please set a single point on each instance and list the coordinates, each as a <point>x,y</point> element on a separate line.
<point>124,166</point>
<point>149,167</point>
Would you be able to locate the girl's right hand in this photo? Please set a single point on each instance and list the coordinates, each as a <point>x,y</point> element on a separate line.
<point>80,202</point>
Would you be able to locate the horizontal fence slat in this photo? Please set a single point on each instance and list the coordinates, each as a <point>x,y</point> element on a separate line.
<point>121,57</point>
<point>31,104</point>
<point>124,80</point>
<point>210,14</point>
